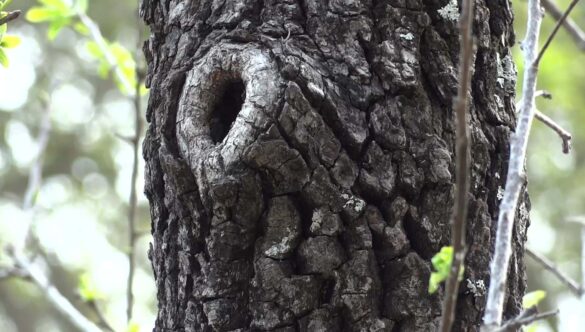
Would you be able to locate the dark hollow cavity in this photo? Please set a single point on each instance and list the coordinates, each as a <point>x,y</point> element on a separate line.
<point>226,110</point>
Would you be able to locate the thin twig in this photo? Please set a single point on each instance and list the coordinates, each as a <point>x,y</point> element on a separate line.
<point>35,178</point>
<point>60,302</point>
<point>554,32</point>
<point>542,93</point>
<point>133,195</point>
<point>36,171</point>
<point>503,247</point>
<point>571,284</point>
<point>22,263</point>
<point>459,217</point>
<point>516,323</point>
<point>565,136</point>
<point>127,139</point>
<point>100,316</point>
<point>12,15</point>
<point>582,265</point>
<point>96,34</point>
<point>582,258</point>
<point>572,28</point>
<point>12,272</point>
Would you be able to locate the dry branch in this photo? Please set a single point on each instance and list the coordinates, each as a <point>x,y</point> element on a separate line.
<point>515,179</point>
<point>565,136</point>
<point>10,16</point>
<point>133,200</point>
<point>503,248</point>
<point>459,217</point>
<point>60,302</point>
<point>572,28</point>
<point>548,265</point>
<point>524,319</point>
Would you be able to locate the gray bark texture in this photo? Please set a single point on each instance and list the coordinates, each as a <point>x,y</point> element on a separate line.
<point>299,161</point>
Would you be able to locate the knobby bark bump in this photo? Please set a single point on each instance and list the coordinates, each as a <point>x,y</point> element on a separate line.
<point>299,162</point>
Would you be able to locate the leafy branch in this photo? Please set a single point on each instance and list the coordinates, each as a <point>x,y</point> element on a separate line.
<point>112,57</point>
<point>7,41</point>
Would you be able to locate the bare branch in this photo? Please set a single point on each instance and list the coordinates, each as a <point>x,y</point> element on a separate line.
<point>541,93</point>
<point>459,217</point>
<point>572,28</point>
<point>10,16</point>
<point>35,177</point>
<point>100,315</point>
<point>523,319</point>
<point>548,265</point>
<point>60,302</point>
<point>582,264</point>
<point>133,201</point>
<point>24,268</point>
<point>127,139</point>
<point>565,136</point>
<point>554,32</point>
<point>519,141</point>
<point>12,272</point>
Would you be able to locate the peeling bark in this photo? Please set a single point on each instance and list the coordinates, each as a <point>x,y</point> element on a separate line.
<point>299,162</point>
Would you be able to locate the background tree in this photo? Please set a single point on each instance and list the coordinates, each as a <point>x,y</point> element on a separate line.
<point>299,162</point>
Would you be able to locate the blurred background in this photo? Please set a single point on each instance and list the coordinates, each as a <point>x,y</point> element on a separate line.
<point>80,211</point>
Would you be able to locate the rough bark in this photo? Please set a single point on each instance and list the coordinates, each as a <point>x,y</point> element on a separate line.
<point>299,161</point>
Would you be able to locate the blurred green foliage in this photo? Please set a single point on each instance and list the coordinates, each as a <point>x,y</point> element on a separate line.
<point>81,208</point>
<point>532,299</point>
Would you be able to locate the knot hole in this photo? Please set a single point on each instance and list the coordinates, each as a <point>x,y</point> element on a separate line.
<point>226,110</point>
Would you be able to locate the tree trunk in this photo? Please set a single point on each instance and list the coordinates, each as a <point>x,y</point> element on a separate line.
<point>299,162</point>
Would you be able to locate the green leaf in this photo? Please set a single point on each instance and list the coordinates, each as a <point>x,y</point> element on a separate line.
<point>532,299</point>
<point>52,10</point>
<point>56,26</point>
<point>442,264</point>
<point>3,29</point>
<point>40,14</point>
<point>4,4</point>
<point>87,289</point>
<point>81,28</point>
<point>143,90</point>
<point>94,49</point>
<point>3,58</point>
<point>133,327</point>
<point>104,70</point>
<point>10,41</point>
<point>60,5</point>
